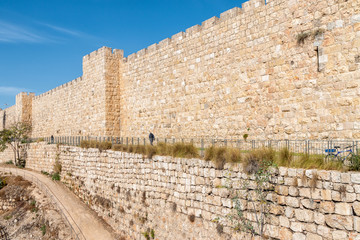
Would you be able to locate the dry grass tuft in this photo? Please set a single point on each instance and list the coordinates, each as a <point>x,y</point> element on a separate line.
<point>184,150</point>
<point>222,155</point>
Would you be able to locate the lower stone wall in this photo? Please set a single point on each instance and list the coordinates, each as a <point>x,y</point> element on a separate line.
<point>182,198</point>
<point>7,155</point>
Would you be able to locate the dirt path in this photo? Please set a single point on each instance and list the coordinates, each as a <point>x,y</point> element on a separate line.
<point>84,221</point>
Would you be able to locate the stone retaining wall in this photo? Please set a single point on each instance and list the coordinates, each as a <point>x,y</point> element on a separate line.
<point>181,198</point>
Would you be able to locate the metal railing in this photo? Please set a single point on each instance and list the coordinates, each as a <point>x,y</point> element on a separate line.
<point>294,146</point>
<point>31,177</point>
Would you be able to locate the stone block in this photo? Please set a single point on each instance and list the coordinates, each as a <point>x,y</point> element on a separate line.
<point>319,218</point>
<point>356,207</point>
<point>345,178</point>
<point>293,191</point>
<point>357,224</point>
<point>327,207</point>
<point>282,190</point>
<point>305,192</point>
<point>312,236</point>
<point>339,235</point>
<point>335,176</point>
<point>304,215</point>
<point>296,226</point>
<point>343,209</point>
<point>324,231</point>
<point>285,233</point>
<point>309,204</point>
<point>339,222</point>
<point>299,236</point>
<point>355,178</point>
<point>284,221</point>
<point>292,202</point>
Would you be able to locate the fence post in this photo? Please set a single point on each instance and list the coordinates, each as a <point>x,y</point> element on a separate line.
<point>308,147</point>
<point>127,141</point>
<point>144,142</point>
<point>202,148</point>
<point>173,140</point>
<point>165,140</point>
<point>132,140</point>
<point>225,142</point>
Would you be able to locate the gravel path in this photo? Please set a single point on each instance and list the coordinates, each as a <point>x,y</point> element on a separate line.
<point>83,220</point>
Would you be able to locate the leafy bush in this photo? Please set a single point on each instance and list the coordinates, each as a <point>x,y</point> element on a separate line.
<point>45,173</point>
<point>10,162</point>
<point>354,163</point>
<point>56,177</point>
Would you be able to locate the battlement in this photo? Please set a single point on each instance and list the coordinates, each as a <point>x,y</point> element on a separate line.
<point>104,51</point>
<point>207,24</point>
<point>65,85</point>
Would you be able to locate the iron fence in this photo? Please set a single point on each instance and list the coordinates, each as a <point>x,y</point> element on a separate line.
<point>318,147</point>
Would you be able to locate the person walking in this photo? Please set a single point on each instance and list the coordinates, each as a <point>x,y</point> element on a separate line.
<point>151,138</point>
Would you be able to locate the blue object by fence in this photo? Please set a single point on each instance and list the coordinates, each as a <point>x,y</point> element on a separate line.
<point>330,150</point>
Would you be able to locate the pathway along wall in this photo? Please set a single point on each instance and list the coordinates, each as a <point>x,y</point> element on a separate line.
<point>180,198</point>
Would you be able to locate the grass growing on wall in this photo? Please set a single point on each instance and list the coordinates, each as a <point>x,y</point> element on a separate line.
<point>222,155</point>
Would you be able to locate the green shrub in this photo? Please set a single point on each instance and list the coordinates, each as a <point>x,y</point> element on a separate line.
<point>355,163</point>
<point>56,177</point>
<point>10,162</point>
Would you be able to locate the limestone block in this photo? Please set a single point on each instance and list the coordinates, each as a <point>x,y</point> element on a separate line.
<point>324,231</point>
<point>312,236</point>
<point>293,191</point>
<point>343,209</point>
<point>296,226</point>
<point>355,178</point>
<point>356,207</point>
<point>285,233</point>
<point>339,235</point>
<point>284,222</point>
<point>292,202</point>
<point>305,192</point>
<point>357,224</point>
<point>299,236</point>
<point>309,204</point>
<point>339,222</point>
<point>304,215</point>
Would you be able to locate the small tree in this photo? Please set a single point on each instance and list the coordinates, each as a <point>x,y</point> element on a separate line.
<point>14,137</point>
<point>255,196</point>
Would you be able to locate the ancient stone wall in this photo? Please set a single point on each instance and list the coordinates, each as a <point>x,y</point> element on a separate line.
<point>285,69</point>
<point>182,198</point>
<point>8,117</point>
<point>81,107</point>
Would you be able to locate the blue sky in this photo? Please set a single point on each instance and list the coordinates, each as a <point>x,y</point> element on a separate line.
<point>42,42</point>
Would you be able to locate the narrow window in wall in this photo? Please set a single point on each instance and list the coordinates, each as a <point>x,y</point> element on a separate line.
<point>318,59</point>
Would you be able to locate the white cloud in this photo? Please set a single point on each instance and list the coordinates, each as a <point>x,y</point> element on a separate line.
<point>14,33</point>
<point>10,91</point>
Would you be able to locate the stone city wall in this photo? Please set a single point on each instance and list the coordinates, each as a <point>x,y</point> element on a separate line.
<point>181,198</point>
<point>80,107</point>
<point>8,117</point>
<point>249,69</point>
<point>287,69</point>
